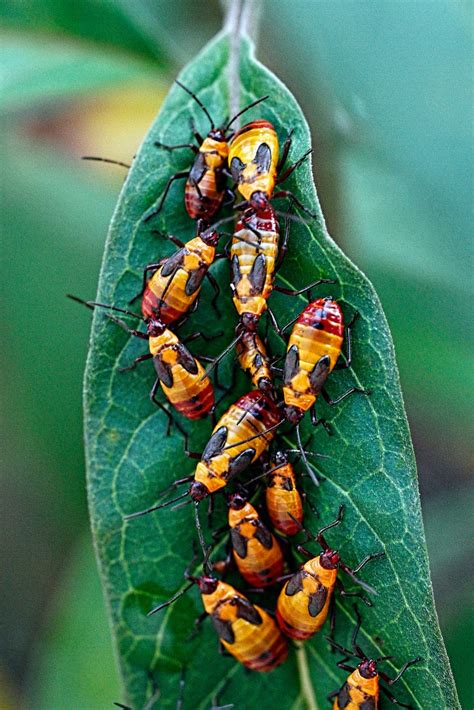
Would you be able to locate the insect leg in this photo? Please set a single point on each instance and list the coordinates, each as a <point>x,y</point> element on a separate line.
<point>159,144</point>
<point>285,151</point>
<point>155,210</point>
<point>393,700</point>
<point>348,334</point>
<point>217,293</point>
<point>172,238</point>
<point>295,201</point>
<point>344,593</point>
<point>315,421</point>
<point>140,358</point>
<point>298,292</point>
<point>145,279</point>
<point>343,396</point>
<point>284,176</point>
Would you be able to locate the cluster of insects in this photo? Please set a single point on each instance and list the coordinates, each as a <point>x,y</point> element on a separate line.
<point>247,163</point>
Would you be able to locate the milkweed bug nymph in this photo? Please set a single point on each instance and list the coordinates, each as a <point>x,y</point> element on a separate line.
<point>206,180</point>
<point>245,630</point>
<point>304,601</point>
<point>362,688</point>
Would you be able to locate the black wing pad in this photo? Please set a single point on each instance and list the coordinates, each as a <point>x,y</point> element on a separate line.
<point>263,535</point>
<point>295,584</point>
<point>319,374</point>
<point>163,370</point>
<point>258,274</point>
<point>239,543</point>
<point>292,364</point>
<point>368,704</point>
<point>236,274</point>
<point>186,360</point>
<point>224,629</point>
<point>198,169</point>
<point>240,462</point>
<point>236,167</point>
<point>246,610</point>
<point>173,263</point>
<point>317,601</point>
<point>263,158</point>
<point>344,696</point>
<point>215,444</point>
<point>195,279</point>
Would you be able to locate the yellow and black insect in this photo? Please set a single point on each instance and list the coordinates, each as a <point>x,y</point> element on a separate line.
<point>257,552</point>
<point>176,281</point>
<point>253,358</point>
<point>361,691</point>
<point>245,630</point>
<point>206,180</point>
<point>239,438</point>
<point>304,601</point>
<point>180,375</point>
<point>283,500</point>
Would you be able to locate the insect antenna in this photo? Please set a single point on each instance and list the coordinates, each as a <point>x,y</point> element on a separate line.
<point>311,473</point>
<point>98,159</point>
<point>96,304</point>
<point>155,507</point>
<point>220,357</point>
<point>206,550</point>
<point>244,110</point>
<point>172,600</point>
<point>198,101</point>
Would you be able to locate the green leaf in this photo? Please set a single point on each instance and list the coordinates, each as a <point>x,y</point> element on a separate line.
<point>370,468</point>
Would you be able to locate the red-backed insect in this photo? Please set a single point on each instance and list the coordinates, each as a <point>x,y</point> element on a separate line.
<point>361,691</point>
<point>257,552</point>
<point>206,180</point>
<point>304,601</point>
<point>313,349</point>
<point>245,630</point>
<point>239,438</point>
<point>181,376</point>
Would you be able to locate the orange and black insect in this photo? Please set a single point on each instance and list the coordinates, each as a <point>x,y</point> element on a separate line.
<point>361,691</point>
<point>182,377</point>
<point>253,359</point>
<point>313,350</point>
<point>255,167</point>
<point>206,180</point>
<point>245,630</point>
<point>257,552</point>
<point>304,601</point>
<point>255,258</point>
<point>283,500</point>
<point>239,438</point>
<point>176,280</point>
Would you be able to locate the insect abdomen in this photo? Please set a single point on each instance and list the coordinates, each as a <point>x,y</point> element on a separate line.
<point>253,267</point>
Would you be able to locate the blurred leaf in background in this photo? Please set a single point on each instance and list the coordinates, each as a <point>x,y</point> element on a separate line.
<point>389,93</point>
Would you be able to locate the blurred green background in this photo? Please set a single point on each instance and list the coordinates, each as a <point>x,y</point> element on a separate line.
<point>387,88</point>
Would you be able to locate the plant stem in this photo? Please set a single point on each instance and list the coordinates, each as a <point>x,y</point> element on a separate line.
<point>242,19</point>
<point>307,690</point>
